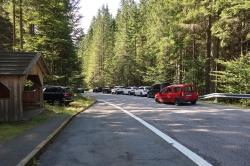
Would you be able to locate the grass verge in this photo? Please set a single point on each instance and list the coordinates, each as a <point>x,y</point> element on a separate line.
<point>13,129</point>
<point>226,103</point>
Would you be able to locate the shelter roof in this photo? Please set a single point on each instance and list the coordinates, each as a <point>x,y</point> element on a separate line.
<point>21,63</point>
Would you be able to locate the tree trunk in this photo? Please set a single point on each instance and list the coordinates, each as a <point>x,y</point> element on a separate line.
<point>194,60</point>
<point>21,23</point>
<point>181,66</point>
<point>216,54</point>
<point>14,25</point>
<point>208,58</point>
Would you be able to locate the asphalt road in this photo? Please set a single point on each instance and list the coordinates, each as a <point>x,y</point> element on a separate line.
<point>105,136</point>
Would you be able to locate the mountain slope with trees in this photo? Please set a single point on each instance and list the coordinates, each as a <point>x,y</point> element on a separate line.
<point>175,41</point>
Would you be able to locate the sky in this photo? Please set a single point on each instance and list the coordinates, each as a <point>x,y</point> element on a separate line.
<point>89,9</point>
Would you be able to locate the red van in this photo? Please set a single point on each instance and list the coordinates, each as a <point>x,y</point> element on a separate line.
<point>177,94</point>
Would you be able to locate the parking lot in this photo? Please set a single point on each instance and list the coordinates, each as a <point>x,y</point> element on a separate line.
<point>218,134</point>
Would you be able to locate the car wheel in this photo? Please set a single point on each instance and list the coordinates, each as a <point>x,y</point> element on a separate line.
<point>66,103</point>
<point>193,102</point>
<point>177,102</point>
<point>157,101</point>
<point>57,103</point>
<point>50,102</point>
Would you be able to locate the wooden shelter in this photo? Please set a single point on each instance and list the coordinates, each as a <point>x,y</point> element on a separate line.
<point>21,84</point>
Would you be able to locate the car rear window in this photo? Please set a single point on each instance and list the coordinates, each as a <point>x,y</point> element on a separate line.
<point>188,89</point>
<point>53,89</point>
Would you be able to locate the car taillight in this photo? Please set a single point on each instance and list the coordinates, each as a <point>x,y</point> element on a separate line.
<point>67,94</point>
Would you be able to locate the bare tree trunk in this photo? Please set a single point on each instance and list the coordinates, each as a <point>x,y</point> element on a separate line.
<point>216,54</point>
<point>14,25</point>
<point>21,23</point>
<point>208,58</point>
<point>181,67</point>
<point>194,60</point>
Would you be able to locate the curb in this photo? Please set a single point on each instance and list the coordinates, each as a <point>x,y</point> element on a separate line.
<point>40,147</point>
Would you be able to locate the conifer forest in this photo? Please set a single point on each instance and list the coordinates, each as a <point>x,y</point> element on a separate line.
<point>206,42</point>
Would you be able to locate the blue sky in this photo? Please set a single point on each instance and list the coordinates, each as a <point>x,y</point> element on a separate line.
<point>89,9</point>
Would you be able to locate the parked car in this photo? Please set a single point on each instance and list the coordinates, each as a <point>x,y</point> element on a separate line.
<point>177,94</point>
<point>97,89</point>
<point>58,95</point>
<point>129,90</point>
<point>80,90</point>
<point>106,90</point>
<point>142,91</point>
<point>117,90</point>
<point>156,88</point>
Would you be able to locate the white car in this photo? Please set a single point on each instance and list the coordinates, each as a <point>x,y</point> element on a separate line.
<point>142,91</point>
<point>129,90</point>
<point>117,90</point>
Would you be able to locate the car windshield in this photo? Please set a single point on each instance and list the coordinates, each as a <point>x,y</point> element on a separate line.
<point>119,87</point>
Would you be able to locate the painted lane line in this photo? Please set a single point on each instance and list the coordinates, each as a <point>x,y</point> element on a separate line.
<point>188,153</point>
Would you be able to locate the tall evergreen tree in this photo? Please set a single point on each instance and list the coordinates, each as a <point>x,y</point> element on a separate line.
<point>6,29</point>
<point>97,48</point>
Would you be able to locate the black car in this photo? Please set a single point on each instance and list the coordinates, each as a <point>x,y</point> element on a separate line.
<point>80,90</point>
<point>58,94</point>
<point>156,88</point>
<point>97,89</point>
<point>106,90</point>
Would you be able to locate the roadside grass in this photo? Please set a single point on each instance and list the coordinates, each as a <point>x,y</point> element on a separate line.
<point>78,105</point>
<point>12,129</point>
<point>240,104</point>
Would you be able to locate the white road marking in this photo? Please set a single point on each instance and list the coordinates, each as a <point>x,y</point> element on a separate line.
<point>191,155</point>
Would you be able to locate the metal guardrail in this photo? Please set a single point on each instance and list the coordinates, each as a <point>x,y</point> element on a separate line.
<point>226,95</point>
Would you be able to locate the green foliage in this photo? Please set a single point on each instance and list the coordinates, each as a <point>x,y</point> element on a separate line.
<point>173,41</point>
<point>96,50</point>
<point>235,77</point>
<point>50,27</point>
<point>146,42</point>
<point>5,29</point>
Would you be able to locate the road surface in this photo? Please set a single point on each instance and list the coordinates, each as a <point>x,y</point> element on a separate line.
<point>107,135</point>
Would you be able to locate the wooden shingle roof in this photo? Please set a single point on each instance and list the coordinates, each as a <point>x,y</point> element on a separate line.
<point>20,63</point>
